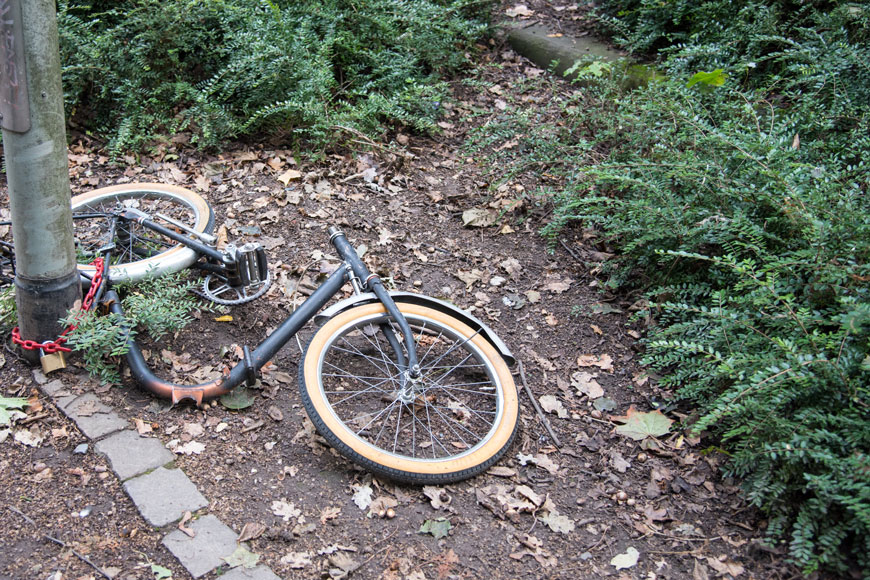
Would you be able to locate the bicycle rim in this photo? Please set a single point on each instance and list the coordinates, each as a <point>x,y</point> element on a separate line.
<point>461,418</point>
<point>138,252</point>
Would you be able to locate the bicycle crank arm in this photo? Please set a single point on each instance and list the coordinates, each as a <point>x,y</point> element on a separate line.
<point>200,248</point>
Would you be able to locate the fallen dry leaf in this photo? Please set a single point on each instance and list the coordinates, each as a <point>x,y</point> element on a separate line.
<point>479,218</point>
<point>501,471</point>
<point>32,437</point>
<point>626,560</point>
<point>724,566</point>
<point>586,384</point>
<point>558,522</point>
<point>285,510</point>
<point>528,493</point>
<point>604,361</point>
<point>540,460</point>
<point>329,513</point>
<point>558,286</point>
<point>519,10</point>
<point>142,427</point>
<point>438,496</point>
<point>289,175</point>
<point>182,525</point>
<point>362,496</point>
<point>297,560</point>
<point>251,531</point>
<point>551,404</point>
<point>189,448</point>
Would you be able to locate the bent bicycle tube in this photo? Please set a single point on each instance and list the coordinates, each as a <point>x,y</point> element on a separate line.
<point>259,356</point>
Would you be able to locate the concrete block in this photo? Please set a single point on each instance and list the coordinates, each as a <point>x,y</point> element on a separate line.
<point>93,417</point>
<point>204,552</point>
<point>163,495</point>
<point>131,455</point>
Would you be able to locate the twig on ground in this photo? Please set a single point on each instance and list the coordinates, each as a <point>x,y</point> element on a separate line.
<point>570,251</point>
<point>364,139</point>
<point>537,407</point>
<point>382,550</point>
<point>61,543</point>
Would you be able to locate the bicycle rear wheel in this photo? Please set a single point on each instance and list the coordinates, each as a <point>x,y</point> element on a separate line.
<point>461,418</point>
<point>138,252</point>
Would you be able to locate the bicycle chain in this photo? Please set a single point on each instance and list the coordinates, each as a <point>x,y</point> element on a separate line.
<point>56,345</point>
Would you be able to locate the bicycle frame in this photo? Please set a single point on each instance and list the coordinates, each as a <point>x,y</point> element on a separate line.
<point>353,270</point>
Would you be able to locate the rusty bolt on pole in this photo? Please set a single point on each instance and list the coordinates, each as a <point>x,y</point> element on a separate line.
<point>47,282</point>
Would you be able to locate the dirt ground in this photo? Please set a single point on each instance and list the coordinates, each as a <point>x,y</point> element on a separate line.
<point>599,505</point>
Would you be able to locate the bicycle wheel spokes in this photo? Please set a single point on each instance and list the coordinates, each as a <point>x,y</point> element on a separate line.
<point>449,411</point>
<point>136,251</point>
<point>97,227</point>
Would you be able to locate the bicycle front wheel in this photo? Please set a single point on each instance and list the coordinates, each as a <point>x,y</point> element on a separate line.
<point>136,251</point>
<point>459,419</point>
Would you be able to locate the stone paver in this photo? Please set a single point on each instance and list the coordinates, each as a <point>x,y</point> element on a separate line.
<point>53,388</point>
<point>258,573</point>
<point>163,495</point>
<point>93,417</point>
<point>132,455</point>
<point>202,553</point>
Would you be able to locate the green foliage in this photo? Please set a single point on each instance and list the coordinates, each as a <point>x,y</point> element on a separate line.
<point>100,340</point>
<point>7,403</point>
<point>161,305</point>
<point>739,203</point>
<point>140,69</point>
<point>153,307</point>
<point>8,309</point>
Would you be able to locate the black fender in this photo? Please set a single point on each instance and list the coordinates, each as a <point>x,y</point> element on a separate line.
<point>422,300</point>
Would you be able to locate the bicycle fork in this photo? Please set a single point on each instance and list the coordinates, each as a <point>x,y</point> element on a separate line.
<point>409,368</point>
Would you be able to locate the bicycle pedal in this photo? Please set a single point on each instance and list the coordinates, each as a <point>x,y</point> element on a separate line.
<point>51,361</point>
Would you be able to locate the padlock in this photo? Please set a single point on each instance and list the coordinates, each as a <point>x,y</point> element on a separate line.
<point>51,361</point>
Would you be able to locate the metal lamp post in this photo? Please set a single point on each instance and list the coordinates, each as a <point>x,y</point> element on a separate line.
<point>34,146</point>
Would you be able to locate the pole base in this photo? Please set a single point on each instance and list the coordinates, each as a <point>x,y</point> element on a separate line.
<point>41,304</point>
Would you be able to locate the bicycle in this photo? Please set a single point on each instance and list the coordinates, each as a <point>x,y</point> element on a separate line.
<point>408,386</point>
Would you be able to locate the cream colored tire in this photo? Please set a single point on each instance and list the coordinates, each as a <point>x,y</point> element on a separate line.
<point>167,256</point>
<point>458,420</point>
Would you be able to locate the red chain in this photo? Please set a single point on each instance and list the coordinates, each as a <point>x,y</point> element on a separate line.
<point>53,346</point>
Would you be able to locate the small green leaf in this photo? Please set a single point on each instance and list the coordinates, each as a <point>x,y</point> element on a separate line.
<point>639,426</point>
<point>7,403</point>
<point>242,557</point>
<point>715,78</point>
<point>237,399</point>
<point>581,69</point>
<point>160,572</point>
<point>438,528</point>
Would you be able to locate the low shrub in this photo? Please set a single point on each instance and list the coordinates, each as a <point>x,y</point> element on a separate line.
<point>153,307</point>
<point>737,199</point>
<point>140,69</point>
